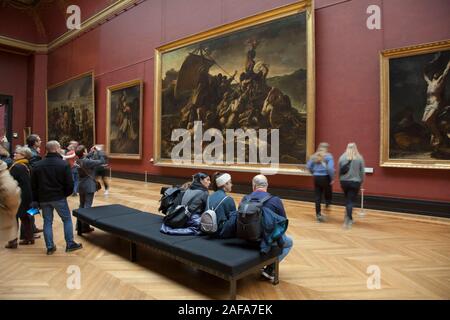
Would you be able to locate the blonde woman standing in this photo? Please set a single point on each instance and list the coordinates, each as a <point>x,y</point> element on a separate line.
<point>351,176</point>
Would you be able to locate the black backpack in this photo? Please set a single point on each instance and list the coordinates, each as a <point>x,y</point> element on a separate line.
<point>171,197</point>
<point>178,215</point>
<point>249,219</point>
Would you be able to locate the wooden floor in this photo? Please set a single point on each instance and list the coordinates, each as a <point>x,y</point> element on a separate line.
<point>326,262</point>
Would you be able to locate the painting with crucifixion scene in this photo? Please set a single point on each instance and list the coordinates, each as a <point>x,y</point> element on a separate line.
<point>416,106</point>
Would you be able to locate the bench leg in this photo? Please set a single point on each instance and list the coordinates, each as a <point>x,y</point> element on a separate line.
<point>79,231</point>
<point>133,252</point>
<point>277,272</point>
<point>233,289</point>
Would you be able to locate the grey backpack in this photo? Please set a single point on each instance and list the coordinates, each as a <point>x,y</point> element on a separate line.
<point>208,220</point>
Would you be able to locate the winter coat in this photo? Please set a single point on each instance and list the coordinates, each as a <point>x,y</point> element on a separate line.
<point>51,179</point>
<point>224,210</point>
<point>20,171</point>
<point>9,203</point>
<point>86,172</point>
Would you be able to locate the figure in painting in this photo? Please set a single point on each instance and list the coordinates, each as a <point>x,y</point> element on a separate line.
<point>435,103</point>
<point>124,120</point>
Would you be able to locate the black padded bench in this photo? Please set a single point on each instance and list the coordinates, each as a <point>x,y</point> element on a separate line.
<point>229,259</point>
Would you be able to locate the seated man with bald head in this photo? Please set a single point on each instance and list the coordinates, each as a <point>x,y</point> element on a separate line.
<point>260,186</point>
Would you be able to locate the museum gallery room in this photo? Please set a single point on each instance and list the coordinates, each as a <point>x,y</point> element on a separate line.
<point>224,149</point>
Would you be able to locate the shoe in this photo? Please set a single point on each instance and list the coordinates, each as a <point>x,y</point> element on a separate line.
<point>51,250</point>
<point>73,247</point>
<point>38,230</point>
<point>269,273</point>
<point>11,244</point>
<point>320,218</point>
<point>26,242</point>
<point>36,236</point>
<point>106,193</point>
<point>90,229</point>
<point>327,206</point>
<point>347,223</point>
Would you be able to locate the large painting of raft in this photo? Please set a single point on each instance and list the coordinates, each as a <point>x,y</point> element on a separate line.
<point>256,73</point>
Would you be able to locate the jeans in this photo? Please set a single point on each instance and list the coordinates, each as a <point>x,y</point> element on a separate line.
<point>86,200</point>
<point>62,208</point>
<point>75,179</point>
<point>322,186</point>
<point>287,246</point>
<point>351,190</point>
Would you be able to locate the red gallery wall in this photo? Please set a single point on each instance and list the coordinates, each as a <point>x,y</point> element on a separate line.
<point>347,74</point>
<point>13,82</point>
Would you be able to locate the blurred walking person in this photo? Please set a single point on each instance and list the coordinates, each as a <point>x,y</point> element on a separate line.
<point>9,203</point>
<point>87,186</point>
<point>321,166</point>
<point>351,176</point>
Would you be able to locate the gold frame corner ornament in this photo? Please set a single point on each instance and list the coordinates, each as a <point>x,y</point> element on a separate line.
<point>109,90</point>
<point>385,56</point>
<point>306,6</point>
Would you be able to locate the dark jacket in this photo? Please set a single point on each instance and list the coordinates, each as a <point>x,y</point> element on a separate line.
<point>224,210</point>
<point>35,158</point>
<point>86,172</point>
<point>273,203</point>
<point>198,203</point>
<point>274,222</point>
<point>22,174</point>
<point>51,179</point>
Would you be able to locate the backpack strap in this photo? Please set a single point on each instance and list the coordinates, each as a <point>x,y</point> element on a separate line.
<point>265,198</point>
<point>223,199</point>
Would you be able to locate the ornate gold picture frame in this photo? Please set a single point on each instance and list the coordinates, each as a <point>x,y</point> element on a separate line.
<point>70,110</point>
<point>124,120</point>
<point>415,106</point>
<point>275,48</point>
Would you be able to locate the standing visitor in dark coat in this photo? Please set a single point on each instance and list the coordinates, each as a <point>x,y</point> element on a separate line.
<point>21,172</point>
<point>87,184</point>
<point>52,183</point>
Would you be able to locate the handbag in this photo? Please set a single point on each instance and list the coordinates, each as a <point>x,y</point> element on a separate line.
<point>98,185</point>
<point>345,168</point>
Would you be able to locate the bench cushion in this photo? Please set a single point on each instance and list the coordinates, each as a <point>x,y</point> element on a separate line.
<point>230,256</point>
<point>123,225</point>
<point>90,215</point>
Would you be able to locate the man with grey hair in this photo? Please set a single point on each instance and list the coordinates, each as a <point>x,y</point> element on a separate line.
<point>260,185</point>
<point>52,183</point>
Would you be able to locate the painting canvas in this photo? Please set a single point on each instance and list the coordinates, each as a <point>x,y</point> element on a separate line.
<point>245,75</point>
<point>124,120</point>
<point>71,111</point>
<point>416,106</point>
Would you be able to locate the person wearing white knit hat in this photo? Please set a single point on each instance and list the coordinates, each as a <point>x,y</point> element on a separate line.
<point>222,204</point>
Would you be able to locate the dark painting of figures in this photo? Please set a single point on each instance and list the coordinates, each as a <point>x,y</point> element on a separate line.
<point>419,106</point>
<point>124,120</point>
<point>71,112</point>
<point>253,78</point>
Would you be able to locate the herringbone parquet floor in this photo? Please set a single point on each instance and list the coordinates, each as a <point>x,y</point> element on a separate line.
<point>326,262</point>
